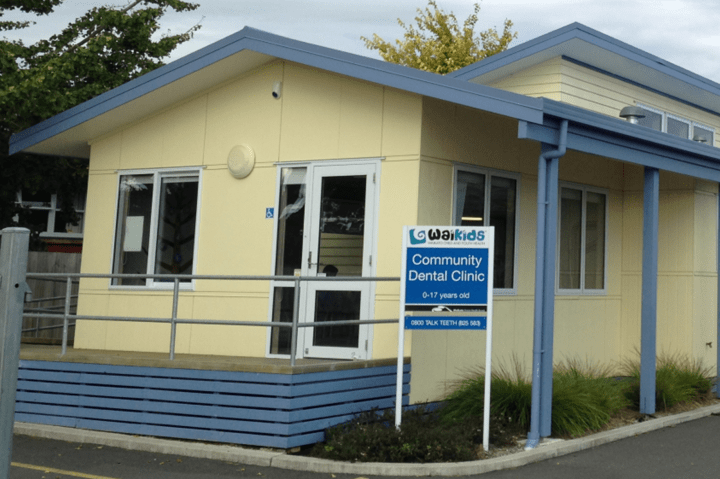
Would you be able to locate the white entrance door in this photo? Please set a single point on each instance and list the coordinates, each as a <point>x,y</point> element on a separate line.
<point>335,204</point>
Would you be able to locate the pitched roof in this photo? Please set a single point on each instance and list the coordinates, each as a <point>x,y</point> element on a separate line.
<point>590,48</point>
<point>68,133</point>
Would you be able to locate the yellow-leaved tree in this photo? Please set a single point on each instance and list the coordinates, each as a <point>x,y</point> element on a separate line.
<point>439,44</point>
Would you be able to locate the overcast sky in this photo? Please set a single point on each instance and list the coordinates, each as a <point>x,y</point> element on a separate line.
<point>684,32</point>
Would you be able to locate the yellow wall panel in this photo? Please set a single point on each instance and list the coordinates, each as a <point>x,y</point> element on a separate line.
<point>435,202</point>
<point>99,228</point>
<point>705,232</point>
<point>245,112</point>
<point>361,119</point>
<point>704,321</point>
<point>105,153</point>
<point>401,123</point>
<point>234,233</point>
<point>247,341</point>
<point>91,334</point>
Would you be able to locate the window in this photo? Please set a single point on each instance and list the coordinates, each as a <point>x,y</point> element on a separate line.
<point>674,125</point>
<point>45,210</point>
<point>156,225</point>
<point>582,239</point>
<point>484,198</point>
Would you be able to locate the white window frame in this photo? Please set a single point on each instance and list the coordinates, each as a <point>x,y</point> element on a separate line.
<point>158,174</point>
<point>52,209</point>
<point>489,174</point>
<point>705,127</point>
<point>692,124</point>
<point>582,291</point>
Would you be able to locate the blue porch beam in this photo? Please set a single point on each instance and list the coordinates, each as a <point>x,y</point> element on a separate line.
<point>648,335</point>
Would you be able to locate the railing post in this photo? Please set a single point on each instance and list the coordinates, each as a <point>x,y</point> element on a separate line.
<point>296,311</point>
<point>173,325</point>
<point>13,267</point>
<point>66,319</point>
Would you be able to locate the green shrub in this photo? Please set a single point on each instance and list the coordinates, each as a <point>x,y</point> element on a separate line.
<point>678,379</point>
<point>510,393</point>
<point>585,398</point>
<point>372,437</point>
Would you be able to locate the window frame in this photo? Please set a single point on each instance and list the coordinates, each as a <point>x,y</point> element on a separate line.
<point>489,174</point>
<point>691,123</point>
<point>52,210</point>
<point>158,174</point>
<point>582,291</point>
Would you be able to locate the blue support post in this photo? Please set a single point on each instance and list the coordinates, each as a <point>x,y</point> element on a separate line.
<point>551,224</point>
<point>648,335</point>
<point>544,316</point>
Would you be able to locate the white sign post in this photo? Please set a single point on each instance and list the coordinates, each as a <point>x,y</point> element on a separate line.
<point>447,283</point>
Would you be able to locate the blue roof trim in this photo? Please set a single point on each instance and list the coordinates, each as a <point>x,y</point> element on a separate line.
<point>602,135</point>
<point>594,37</point>
<point>639,85</point>
<point>372,70</point>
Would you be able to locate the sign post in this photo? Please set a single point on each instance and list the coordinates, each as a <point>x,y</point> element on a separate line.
<point>447,283</point>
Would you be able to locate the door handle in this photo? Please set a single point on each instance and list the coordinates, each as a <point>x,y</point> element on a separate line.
<point>309,260</point>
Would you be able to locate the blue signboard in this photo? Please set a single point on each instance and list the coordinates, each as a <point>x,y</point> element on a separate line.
<point>447,271</point>
<point>446,276</point>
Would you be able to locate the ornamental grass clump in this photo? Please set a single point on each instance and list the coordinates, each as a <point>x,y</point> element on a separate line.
<point>510,393</point>
<point>678,379</point>
<point>585,398</point>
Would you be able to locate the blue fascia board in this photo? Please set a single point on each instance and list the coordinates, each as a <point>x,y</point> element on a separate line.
<point>601,135</point>
<point>368,69</point>
<point>593,37</point>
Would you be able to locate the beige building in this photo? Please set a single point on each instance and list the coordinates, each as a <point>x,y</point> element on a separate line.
<point>265,156</point>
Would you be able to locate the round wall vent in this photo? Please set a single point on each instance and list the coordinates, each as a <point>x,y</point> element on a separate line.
<point>241,161</point>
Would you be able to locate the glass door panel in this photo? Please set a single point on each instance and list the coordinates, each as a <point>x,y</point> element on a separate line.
<point>340,247</point>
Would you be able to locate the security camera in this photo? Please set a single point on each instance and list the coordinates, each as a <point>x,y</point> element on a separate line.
<point>277,89</point>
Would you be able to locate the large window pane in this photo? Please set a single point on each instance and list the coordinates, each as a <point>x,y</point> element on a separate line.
<point>291,221</point>
<point>489,200</point>
<point>503,192</point>
<point>283,303</point>
<point>470,199</point>
<point>595,241</point>
<point>133,228</point>
<point>570,238</point>
<point>176,226</point>
<point>705,133</point>
<point>678,127</point>
<point>652,120</point>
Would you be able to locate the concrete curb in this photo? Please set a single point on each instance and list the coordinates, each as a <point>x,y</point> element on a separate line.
<point>299,463</point>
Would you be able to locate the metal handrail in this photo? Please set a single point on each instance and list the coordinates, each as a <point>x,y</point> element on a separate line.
<point>174,320</point>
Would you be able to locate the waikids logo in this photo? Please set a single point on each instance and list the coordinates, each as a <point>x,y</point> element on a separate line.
<point>442,235</point>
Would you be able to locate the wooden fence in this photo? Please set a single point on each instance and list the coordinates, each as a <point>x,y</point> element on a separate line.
<point>39,330</point>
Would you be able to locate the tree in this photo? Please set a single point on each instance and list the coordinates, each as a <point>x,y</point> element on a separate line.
<point>439,44</point>
<point>101,50</point>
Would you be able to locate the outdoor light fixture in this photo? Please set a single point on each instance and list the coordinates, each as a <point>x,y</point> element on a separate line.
<point>632,114</point>
<point>472,218</point>
<point>700,138</point>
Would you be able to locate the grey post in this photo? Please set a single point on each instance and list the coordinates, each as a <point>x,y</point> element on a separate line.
<point>13,266</point>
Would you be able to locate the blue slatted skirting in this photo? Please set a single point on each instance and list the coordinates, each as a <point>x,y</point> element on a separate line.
<point>259,409</point>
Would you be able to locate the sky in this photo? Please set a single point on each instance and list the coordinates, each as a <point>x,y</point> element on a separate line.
<point>684,32</point>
